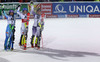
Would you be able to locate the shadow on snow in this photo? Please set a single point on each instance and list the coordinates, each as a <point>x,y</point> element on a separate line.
<point>57,54</point>
<point>3,60</point>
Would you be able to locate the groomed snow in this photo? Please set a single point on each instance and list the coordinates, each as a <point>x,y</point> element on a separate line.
<point>65,40</point>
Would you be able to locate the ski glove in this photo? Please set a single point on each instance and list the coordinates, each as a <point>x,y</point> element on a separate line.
<point>18,6</point>
<point>31,3</point>
<point>3,8</point>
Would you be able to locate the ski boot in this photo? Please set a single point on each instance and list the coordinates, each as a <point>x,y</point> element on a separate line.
<point>12,49</point>
<point>5,47</point>
<point>25,46</point>
<point>32,46</point>
<point>35,45</point>
<point>38,48</point>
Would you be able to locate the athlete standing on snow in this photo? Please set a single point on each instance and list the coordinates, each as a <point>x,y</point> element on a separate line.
<point>10,30</point>
<point>25,21</point>
<point>37,29</point>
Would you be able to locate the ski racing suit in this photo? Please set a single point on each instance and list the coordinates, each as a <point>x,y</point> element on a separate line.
<point>36,30</point>
<point>25,22</point>
<point>10,30</point>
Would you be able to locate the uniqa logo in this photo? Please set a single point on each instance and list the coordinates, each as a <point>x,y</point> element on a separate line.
<point>84,9</point>
<point>59,9</point>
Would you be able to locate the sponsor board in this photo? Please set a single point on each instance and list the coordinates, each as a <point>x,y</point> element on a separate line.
<point>12,6</point>
<point>72,16</point>
<point>61,16</point>
<point>60,10</point>
<point>76,8</point>
<point>94,15</point>
<point>51,16</point>
<point>46,8</point>
<point>83,15</point>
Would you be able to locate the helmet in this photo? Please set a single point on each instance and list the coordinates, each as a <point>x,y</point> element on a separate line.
<point>11,11</point>
<point>25,9</point>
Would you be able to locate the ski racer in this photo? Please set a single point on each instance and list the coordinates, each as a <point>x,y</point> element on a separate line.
<point>37,29</point>
<point>25,22</point>
<point>10,30</point>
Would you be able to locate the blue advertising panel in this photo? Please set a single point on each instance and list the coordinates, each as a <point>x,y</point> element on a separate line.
<point>76,8</point>
<point>61,16</point>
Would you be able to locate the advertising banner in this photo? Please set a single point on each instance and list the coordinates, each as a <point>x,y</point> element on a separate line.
<point>12,6</point>
<point>59,10</point>
<point>61,16</point>
<point>73,16</point>
<point>94,15</point>
<point>81,8</point>
<point>8,7</point>
<point>46,8</point>
<point>51,16</point>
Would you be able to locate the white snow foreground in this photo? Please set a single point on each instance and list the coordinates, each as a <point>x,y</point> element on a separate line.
<point>65,40</point>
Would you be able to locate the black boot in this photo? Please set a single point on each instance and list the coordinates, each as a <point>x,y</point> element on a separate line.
<point>38,43</point>
<point>20,40</point>
<point>32,45</point>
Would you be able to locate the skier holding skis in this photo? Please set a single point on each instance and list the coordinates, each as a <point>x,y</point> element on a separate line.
<point>10,30</point>
<point>25,21</point>
<point>37,29</point>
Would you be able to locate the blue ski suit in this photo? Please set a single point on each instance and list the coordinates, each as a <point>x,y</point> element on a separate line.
<point>9,31</point>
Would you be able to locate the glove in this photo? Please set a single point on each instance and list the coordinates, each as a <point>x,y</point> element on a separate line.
<point>2,8</point>
<point>18,6</point>
<point>31,3</point>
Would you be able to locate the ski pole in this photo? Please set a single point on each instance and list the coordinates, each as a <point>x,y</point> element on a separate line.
<point>42,40</point>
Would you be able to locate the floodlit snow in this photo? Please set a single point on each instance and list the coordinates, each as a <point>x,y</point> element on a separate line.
<point>65,40</point>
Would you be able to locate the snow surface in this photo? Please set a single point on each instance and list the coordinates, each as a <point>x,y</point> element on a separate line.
<point>65,40</point>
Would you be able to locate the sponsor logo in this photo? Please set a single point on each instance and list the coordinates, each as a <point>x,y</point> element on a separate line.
<point>61,16</point>
<point>73,16</point>
<point>59,9</point>
<point>46,8</point>
<point>94,15</point>
<point>84,9</point>
<point>51,16</point>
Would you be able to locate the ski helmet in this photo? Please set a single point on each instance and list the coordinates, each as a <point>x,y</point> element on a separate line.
<point>11,11</point>
<point>25,9</point>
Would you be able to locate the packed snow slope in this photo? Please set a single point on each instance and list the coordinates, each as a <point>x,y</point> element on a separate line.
<point>64,40</point>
